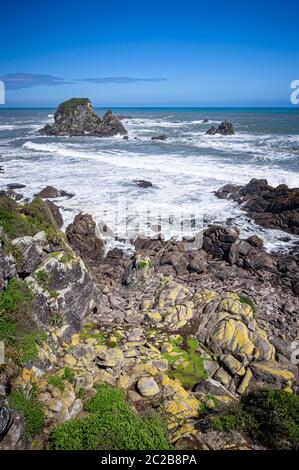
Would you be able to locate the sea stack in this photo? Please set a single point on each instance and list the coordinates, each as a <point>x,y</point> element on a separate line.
<point>225,128</point>
<point>77,117</point>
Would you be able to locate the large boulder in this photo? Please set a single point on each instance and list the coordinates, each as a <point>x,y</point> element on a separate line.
<point>217,241</point>
<point>81,235</point>
<point>77,117</point>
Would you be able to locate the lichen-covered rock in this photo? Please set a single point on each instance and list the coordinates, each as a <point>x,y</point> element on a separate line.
<point>148,387</point>
<point>65,291</point>
<point>272,373</point>
<point>77,117</point>
<point>173,302</point>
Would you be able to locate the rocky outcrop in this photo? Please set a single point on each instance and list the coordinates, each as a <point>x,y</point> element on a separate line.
<point>49,192</point>
<point>81,235</point>
<point>66,292</point>
<point>225,128</point>
<point>275,208</point>
<point>77,117</point>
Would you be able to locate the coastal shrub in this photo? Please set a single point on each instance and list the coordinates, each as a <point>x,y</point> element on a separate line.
<point>17,324</point>
<point>111,425</point>
<point>270,417</point>
<point>44,279</point>
<point>106,398</point>
<point>32,410</point>
<point>16,303</point>
<point>25,219</point>
<point>28,345</point>
<point>191,371</point>
<point>68,106</point>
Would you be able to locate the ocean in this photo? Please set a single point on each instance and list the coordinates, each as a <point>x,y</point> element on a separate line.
<point>185,169</point>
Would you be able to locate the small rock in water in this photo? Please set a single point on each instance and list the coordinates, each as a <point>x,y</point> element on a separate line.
<point>144,183</point>
<point>225,128</point>
<point>49,192</point>
<point>159,137</point>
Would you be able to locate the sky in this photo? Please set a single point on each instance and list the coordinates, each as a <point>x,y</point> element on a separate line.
<point>149,53</point>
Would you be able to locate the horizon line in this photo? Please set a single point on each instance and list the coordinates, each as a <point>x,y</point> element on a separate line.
<point>156,107</point>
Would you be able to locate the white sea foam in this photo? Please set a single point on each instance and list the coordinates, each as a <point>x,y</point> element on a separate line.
<point>185,170</point>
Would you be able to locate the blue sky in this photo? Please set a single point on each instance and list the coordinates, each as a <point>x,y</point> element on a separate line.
<point>150,53</point>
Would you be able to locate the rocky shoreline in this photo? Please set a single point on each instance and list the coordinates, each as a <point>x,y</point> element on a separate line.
<point>184,334</point>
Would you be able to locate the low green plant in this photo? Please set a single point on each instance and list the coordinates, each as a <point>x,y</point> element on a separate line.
<point>17,324</point>
<point>57,382</point>
<point>28,346</point>
<point>32,410</point>
<point>111,425</point>
<point>44,279</point>
<point>19,220</point>
<point>67,256</point>
<point>106,398</point>
<point>69,375</point>
<point>270,417</point>
<point>90,331</point>
<point>192,370</point>
<point>144,263</point>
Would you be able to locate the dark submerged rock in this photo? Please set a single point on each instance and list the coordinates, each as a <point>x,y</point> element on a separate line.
<point>143,183</point>
<point>159,137</point>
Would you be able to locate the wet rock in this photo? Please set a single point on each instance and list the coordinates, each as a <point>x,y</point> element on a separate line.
<point>15,186</point>
<point>49,192</point>
<point>270,207</point>
<point>144,184</point>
